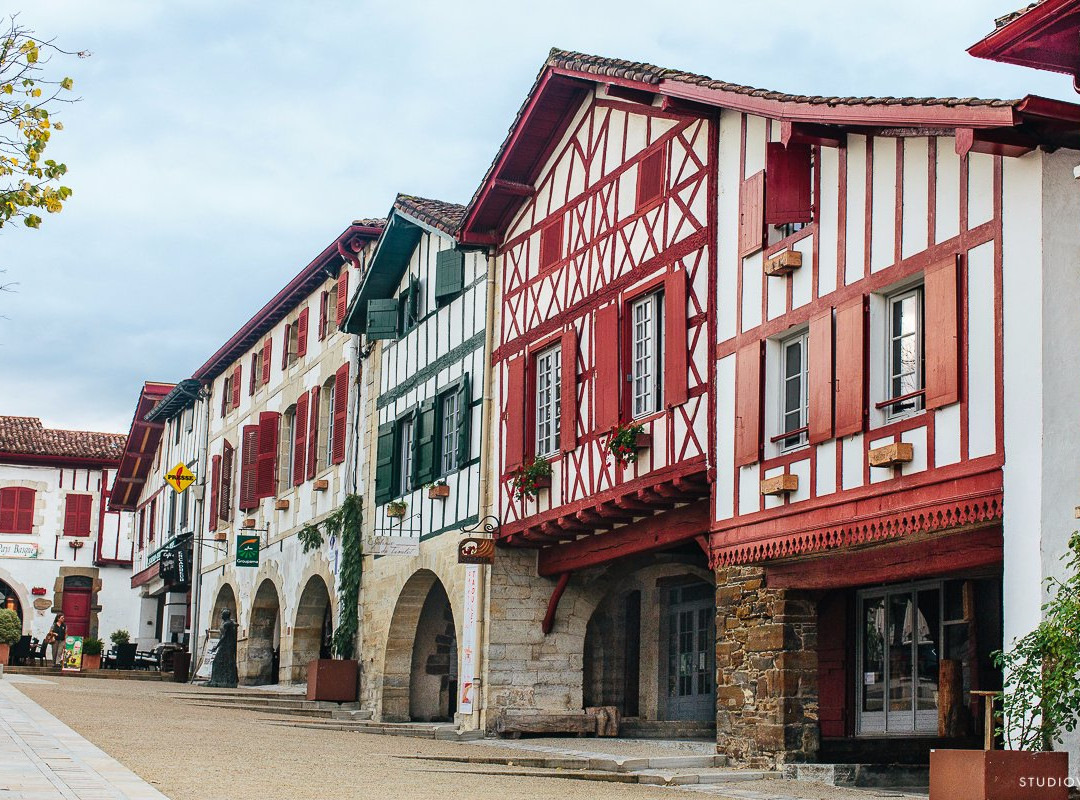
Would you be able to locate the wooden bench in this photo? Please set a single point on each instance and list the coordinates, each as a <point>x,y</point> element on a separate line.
<point>594,721</point>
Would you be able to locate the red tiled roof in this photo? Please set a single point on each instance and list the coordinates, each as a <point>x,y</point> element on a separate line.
<point>437,213</point>
<point>26,436</point>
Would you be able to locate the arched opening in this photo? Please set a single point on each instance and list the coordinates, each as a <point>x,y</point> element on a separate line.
<point>260,667</point>
<point>420,673</point>
<point>313,629</point>
<point>9,599</point>
<point>226,598</point>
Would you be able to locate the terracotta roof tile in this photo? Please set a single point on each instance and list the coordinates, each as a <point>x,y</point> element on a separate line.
<point>27,436</point>
<point>437,213</point>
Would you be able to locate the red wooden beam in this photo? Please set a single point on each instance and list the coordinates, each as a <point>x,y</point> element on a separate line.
<point>556,532</point>
<point>627,93</point>
<point>553,603</point>
<point>656,500</point>
<point>593,520</point>
<point>811,133</point>
<point>608,511</point>
<point>635,506</point>
<point>513,188</point>
<point>1008,143</point>
<point>570,522</point>
<point>645,536</point>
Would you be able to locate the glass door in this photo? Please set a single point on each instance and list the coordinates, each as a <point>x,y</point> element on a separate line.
<point>691,674</point>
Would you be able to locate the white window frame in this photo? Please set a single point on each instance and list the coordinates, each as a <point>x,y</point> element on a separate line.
<point>914,405</point>
<point>329,390</point>
<point>290,461</point>
<point>405,457</point>
<point>788,443</point>
<point>548,400</point>
<point>448,428</point>
<point>647,354</point>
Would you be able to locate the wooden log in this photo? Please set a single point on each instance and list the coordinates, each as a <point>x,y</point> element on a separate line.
<point>608,719</point>
<point>513,725</point>
<point>951,717</point>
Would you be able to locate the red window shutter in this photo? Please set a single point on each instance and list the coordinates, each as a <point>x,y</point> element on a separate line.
<point>676,354</point>
<point>266,471</point>
<point>249,460</point>
<point>226,392</point>
<point>313,434</point>
<point>752,214</point>
<point>324,300</point>
<point>285,348</point>
<point>941,334</point>
<point>268,348</point>
<point>568,406</point>
<point>300,424</point>
<point>251,377</point>
<point>341,410</point>
<point>225,510</point>
<point>237,376</point>
<point>77,515</point>
<point>608,386</point>
<point>302,333</point>
<point>650,183</point>
<point>515,413</point>
<point>342,294</point>
<point>850,375</point>
<point>551,243</point>
<point>787,177</point>
<point>86,503</point>
<point>8,502</point>
<point>215,490</point>
<point>748,404</point>
<point>820,378</point>
<point>24,510</point>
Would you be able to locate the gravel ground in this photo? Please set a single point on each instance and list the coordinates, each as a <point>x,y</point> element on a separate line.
<point>194,753</point>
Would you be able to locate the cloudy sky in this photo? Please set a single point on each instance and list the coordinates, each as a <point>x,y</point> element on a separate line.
<point>220,145</point>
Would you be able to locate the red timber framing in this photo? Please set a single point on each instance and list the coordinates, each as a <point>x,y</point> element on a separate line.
<point>139,451</point>
<point>1042,36</point>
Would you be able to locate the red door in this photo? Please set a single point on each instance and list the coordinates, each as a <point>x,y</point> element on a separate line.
<point>76,608</point>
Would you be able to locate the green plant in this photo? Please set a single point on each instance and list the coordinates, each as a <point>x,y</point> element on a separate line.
<point>92,646</point>
<point>119,637</point>
<point>528,478</point>
<point>1042,669</point>
<point>349,578</point>
<point>10,626</point>
<point>623,444</point>
<point>396,508</point>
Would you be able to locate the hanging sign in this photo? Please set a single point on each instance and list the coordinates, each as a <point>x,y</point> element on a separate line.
<point>72,654</point>
<point>467,670</point>
<point>476,551</point>
<point>173,566</point>
<point>393,546</point>
<point>179,477</point>
<point>247,550</point>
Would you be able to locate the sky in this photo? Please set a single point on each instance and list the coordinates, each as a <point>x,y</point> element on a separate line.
<point>219,146</point>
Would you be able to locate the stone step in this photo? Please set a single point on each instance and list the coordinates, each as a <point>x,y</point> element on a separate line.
<point>646,777</point>
<point>278,701</point>
<point>592,762</point>
<point>667,729</point>
<point>106,674</point>
<point>419,730</point>
<point>324,713</point>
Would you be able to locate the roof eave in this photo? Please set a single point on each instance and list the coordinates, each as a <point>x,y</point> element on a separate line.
<point>1006,44</point>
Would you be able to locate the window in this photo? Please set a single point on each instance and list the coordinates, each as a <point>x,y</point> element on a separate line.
<point>789,188</point>
<point>326,452</point>
<point>330,310</point>
<point>793,391</point>
<point>142,528</point>
<point>405,453</point>
<point>551,244</point>
<point>409,307</point>
<point>647,369</point>
<point>288,449</point>
<point>548,390</point>
<point>183,499</point>
<point>292,342</point>
<point>448,427</point>
<point>17,510</point>
<point>77,514</point>
<point>905,353</point>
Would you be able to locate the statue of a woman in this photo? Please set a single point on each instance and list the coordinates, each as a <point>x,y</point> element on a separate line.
<point>223,670</point>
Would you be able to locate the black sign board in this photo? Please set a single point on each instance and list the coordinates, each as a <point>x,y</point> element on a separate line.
<point>173,566</point>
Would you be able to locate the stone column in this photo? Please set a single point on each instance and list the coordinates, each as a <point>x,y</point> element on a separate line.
<point>766,665</point>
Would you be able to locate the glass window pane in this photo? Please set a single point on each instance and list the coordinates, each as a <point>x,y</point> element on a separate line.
<point>873,654</point>
<point>926,631</point>
<point>900,661</point>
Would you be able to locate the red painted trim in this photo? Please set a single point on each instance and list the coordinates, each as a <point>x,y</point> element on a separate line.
<point>553,603</point>
<point>58,461</point>
<point>146,575</point>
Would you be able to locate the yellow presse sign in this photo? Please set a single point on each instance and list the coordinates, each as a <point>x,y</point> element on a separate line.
<point>179,477</point>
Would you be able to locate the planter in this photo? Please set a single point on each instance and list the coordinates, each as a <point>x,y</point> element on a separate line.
<point>91,662</point>
<point>998,775</point>
<point>321,485</point>
<point>543,483</point>
<point>249,523</point>
<point>643,441</point>
<point>439,492</point>
<point>891,455</point>
<point>220,536</point>
<point>281,505</point>
<point>780,484</point>
<point>332,679</point>
<point>783,263</point>
<point>393,510</point>
<point>5,653</point>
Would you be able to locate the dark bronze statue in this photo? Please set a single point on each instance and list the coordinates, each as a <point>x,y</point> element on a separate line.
<point>223,670</point>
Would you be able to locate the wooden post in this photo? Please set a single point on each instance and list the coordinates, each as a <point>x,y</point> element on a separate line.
<point>988,717</point>
<point>951,699</point>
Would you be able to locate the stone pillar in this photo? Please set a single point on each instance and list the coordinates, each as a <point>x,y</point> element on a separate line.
<point>766,665</point>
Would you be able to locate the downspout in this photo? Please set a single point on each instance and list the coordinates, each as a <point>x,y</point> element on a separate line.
<point>196,543</point>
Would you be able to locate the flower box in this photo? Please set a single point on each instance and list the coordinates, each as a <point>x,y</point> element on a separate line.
<point>91,662</point>
<point>249,523</point>
<point>321,485</point>
<point>220,536</point>
<point>332,679</point>
<point>396,509</point>
<point>438,491</point>
<point>783,263</point>
<point>780,484</point>
<point>281,505</point>
<point>543,482</point>
<point>891,455</point>
<point>998,775</point>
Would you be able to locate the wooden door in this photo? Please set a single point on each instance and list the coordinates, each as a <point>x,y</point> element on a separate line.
<point>76,608</point>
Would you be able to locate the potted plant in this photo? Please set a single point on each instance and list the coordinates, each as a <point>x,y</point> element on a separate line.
<point>396,508</point>
<point>529,479</point>
<point>125,649</point>
<point>10,632</point>
<point>1041,701</point>
<point>91,649</point>
<point>438,490</point>
<point>625,441</point>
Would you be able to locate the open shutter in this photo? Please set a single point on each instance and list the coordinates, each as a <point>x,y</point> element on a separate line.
<point>382,318</point>
<point>941,334</point>
<point>8,502</point>
<point>225,394</point>
<point>413,309</point>
<point>464,406</point>
<point>608,385</point>
<point>324,300</point>
<point>752,214</point>
<point>237,376</point>
<point>268,347</point>
<point>266,475</point>
<point>253,370</point>
<point>424,440</point>
<point>342,294</point>
<point>568,405</point>
<point>820,377</point>
<point>215,490</point>
<point>449,274</point>
<point>341,411</point>
<point>551,243</point>
<point>384,464</point>
<point>249,460</point>
<point>285,347</point>
<point>225,510</point>
<point>787,178</point>
<point>676,354</point>
<point>300,426</point>
<point>748,404</point>
<point>302,333</point>
<point>850,376</point>
<point>515,413</point>
<point>313,434</point>
<point>650,183</point>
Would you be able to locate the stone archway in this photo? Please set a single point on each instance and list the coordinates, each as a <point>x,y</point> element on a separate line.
<point>10,589</point>
<point>260,663</point>
<point>311,630</point>
<point>420,670</point>
<point>226,598</point>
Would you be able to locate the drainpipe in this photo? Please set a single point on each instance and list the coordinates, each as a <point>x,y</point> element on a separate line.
<point>196,543</point>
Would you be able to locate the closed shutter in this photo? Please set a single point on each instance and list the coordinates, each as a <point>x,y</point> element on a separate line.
<point>382,318</point>
<point>748,404</point>
<point>249,460</point>
<point>676,354</point>
<point>568,398</point>
<point>820,377</point>
<point>385,487</point>
<point>313,434</point>
<point>850,376</point>
<point>342,295</point>
<point>225,510</point>
<point>77,515</point>
<point>752,214</point>
<point>942,335</point>
<point>268,347</point>
<point>300,426</point>
<point>8,501</point>
<point>215,492</point>
<point>324,300</point>
<point>266,475</point>
<point>515,413</point>
<point>650,177</point>
<point>425,438</point>
<point>464,405</point>
<point>608,384</point>
<point>340,411</point>
<point>237,376</point>
<point>449,274</point>
<point>551,243</point>
<point>285,347</point>
<point>302,333</point>
<point>787,177</point>
<point>24,510</point>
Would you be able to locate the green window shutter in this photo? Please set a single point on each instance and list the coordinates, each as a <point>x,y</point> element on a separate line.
<point>384,464</point>
<point>414,302</point>
<point>464,404</point>
<point>449,274</point>
<point>382,319</point>
<point>425,438</point>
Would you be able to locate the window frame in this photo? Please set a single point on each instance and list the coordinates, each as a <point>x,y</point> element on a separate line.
<point>405,456</point>
<point>548,445</point>
<point>448,432</point>
<point>324,456</point>
<point>913,401</point>
<point>288,424</point>
<point>655,393</point>
<point>790,439</point>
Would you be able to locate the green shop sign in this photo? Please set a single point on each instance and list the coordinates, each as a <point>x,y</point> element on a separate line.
<point>247,550</point>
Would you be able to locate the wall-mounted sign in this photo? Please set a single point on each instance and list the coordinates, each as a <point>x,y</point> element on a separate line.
<point>393,546</point>
<point>18,550</point>
<point>476,551</point>
<point>247,550</point>
<point>173,566</point>
<point>39,591</point>
<point>467,672</point>
<point>42,603</point>
<point>179,477</point>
